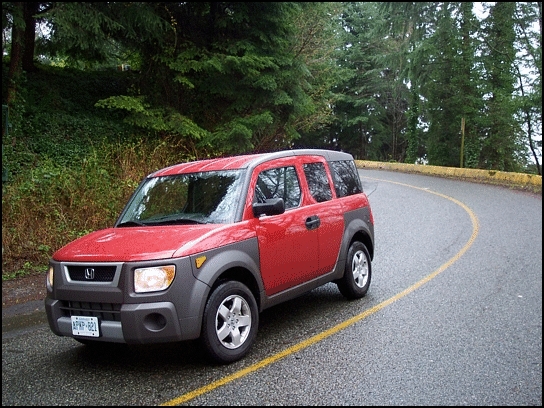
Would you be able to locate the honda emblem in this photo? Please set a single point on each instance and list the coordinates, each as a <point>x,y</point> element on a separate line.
<point>89,273</point>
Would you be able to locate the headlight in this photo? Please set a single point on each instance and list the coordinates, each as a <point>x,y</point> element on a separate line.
<point>50,277</point>
<point>153,279</point>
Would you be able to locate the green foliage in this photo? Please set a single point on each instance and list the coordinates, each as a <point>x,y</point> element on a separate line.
<point>238,135</point>
<point>71,90</point>
<point>91,35</point>
<point>361,124</point>
<point>72,166</point>
<point>499,144</point>
<point>57,119</point>
<point>210,85</point>
<point>47,206</point>
<point>383,81</point>
<point>28,268</point>
<point>412,153</point>
<point>165,119</point>
<point>128,103</point>
<point>335,75</point>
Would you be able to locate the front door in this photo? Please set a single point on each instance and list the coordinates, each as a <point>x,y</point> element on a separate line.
<point>288,243</point>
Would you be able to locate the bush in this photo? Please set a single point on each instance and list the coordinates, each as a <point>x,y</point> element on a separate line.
<point>51,204</point>
<point>72,166</point>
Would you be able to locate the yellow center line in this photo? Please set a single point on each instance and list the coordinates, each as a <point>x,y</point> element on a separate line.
<point>341,326</point>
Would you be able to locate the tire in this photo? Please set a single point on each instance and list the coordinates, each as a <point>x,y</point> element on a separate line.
<point>230,324</point>
<point>357,272</point>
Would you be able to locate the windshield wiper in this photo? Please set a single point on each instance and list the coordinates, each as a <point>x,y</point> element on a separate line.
<point>131,223</point>
<point>178,221</point>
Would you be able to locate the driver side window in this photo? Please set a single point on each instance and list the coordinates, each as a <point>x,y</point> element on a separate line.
<point>281,182</point>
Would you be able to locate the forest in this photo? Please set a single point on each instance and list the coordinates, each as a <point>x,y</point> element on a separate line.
<point>97,95</point>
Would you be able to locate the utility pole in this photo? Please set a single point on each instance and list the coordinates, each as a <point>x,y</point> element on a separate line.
<point>462,140</point>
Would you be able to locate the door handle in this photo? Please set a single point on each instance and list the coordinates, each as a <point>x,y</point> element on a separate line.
<point>313,222</point>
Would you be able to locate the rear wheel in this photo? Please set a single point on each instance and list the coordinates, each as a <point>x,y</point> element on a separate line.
<point>230,322</point>
<point>357,273</point>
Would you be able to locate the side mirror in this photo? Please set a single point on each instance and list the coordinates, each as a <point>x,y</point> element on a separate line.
<point>272,206</point>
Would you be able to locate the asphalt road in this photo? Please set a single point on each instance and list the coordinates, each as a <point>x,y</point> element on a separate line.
<point>453,317</point>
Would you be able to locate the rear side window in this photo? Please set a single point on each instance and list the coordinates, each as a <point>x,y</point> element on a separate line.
<point>316,175</point>
<point>346,179</point>
<point>279,183</point>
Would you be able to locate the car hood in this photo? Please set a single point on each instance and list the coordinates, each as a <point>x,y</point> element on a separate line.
<point>128,244</point>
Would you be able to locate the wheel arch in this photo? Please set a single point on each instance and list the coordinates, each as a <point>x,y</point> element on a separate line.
<point>238,261</point>
<point>241,275</point>
<point>358,228</point>
<point>364,237</point>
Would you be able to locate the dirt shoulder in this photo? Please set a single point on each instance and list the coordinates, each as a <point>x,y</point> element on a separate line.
<point>26,290</point>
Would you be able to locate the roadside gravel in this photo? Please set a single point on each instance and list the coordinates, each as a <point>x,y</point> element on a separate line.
<point>23,295</point>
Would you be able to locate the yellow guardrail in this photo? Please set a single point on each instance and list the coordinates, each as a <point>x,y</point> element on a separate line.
<point>523,181</point>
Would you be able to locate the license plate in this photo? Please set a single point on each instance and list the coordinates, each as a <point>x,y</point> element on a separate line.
<point>85,326</point>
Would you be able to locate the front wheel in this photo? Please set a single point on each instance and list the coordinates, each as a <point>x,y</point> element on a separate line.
<point>230,322</point>
<point>357,273</point>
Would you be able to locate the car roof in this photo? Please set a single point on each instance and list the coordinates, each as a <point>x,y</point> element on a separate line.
<point>246,161</point>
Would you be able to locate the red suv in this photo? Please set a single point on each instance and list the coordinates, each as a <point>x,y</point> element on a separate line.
<point>201,248</point>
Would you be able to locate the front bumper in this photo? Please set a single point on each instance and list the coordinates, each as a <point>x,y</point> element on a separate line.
<point>131,323</point>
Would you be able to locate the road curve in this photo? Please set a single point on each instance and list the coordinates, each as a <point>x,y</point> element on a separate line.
<point>453,317</point>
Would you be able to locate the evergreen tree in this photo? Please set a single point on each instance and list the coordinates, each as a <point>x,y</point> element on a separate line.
<point>371,103</point>
<point>384,81</point>
<point>500,138</point>
<point>452,89</point>
<point>357,112</point>
<point>227,78</point>
<point>467,81</point>
<point>529,75</point>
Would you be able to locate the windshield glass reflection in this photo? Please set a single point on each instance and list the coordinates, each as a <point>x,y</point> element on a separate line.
<point>195,198</point>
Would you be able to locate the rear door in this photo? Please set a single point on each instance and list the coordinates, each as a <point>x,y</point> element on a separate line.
<point>327,209</point>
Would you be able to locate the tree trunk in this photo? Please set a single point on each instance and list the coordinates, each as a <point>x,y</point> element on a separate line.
<point>15,63</point>
<point>29,11</point>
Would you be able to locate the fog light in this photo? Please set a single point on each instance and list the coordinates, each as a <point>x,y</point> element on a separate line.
<point>155,322</point>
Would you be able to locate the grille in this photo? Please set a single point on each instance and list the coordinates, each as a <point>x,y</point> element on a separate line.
<point>101,273</point>
<point>104,311</point>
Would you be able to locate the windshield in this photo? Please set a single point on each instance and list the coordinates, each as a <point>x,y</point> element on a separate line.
<point>202,198</point>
